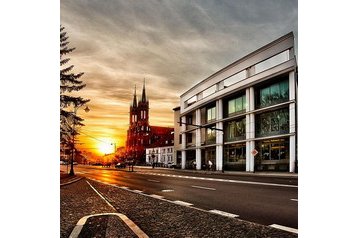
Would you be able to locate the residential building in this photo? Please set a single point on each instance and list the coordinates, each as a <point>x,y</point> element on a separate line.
<point>162,156</point>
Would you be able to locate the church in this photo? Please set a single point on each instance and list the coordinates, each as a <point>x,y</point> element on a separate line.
<point>140,135</point>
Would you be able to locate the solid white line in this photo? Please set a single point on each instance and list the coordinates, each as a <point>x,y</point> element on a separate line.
<point>285,228</point>
<point>223,213</point>
<point>101,196</point>
<point>213,189</point>
<point>137,191</point>
<point>294,199</point>
<point>182,203</point>
<point>235,181</point>
<point>155,181</point>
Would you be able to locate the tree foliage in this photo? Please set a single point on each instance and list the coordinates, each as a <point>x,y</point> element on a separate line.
<point>69,83</point>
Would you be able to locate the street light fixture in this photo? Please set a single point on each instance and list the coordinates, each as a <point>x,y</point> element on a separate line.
<point>73,136</point>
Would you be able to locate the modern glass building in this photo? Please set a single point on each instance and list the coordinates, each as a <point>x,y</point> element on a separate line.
<point>243,117</point>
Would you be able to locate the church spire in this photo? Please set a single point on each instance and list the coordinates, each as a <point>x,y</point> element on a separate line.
<point>135,96</point>
<point>144,98</point>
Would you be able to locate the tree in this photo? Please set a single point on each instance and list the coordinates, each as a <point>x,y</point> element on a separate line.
<point>69,83</point>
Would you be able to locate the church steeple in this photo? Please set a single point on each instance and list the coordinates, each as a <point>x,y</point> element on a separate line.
<point>144,98</point>
<point>135,96</point>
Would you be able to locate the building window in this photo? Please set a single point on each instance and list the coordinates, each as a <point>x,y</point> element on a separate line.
<point>211,114</point>
<point>272,123</point>
<point>189,137</point>
<point>189,119</point>
<point>235,157</point>
<point>273,155</point>
<point>237,105</point>
<point>235,130</point>
<point>180,139</point>
<point>210,136</point>
<point>273,94</point>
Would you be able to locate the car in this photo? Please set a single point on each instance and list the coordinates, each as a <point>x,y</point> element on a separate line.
<point>75,163</point>
<point>120,165</point>
<point>63,162</point>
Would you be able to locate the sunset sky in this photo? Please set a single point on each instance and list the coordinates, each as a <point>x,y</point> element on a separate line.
<point>173,44</point>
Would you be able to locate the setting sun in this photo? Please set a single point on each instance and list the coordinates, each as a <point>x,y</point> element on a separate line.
<point>106,147</point>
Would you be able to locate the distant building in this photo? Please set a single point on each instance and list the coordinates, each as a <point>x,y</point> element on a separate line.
<point>243,117</point>
<point>140,134</point>
<point>161,156</point>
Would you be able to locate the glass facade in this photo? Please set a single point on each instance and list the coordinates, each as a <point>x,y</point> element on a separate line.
<point>211,114</point>
<point>272,123</point>
<point>273,155</point>
<point>273,94</point>
<point>237,105</point>
<point>210,136</point>
<point>235,157</point>
<point>235,130</point>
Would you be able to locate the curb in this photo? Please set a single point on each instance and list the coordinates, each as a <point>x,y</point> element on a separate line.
<point>70,182</point>
<point>134,228</point>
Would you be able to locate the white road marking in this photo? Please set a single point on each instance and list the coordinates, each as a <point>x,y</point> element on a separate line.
<point>152,180</point>
<point>137,191</point>
<point>101,196</point>
<point>206,188</point>
<point>124,187</point>
<point>182,203</point>
<point>231,181</point>
<point>223,213</point>
<point>294,199</point>
<point>77,230</point>
<point>156,196</point>
<point>285,228</point>
<point>167,190</point>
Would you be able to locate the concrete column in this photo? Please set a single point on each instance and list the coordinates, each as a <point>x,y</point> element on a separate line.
<point>250,160</point>
<point>219,135</point>
<point>248,135</point>
<point>183,144</point>
<point>292,123</point>
<point>198,139</point>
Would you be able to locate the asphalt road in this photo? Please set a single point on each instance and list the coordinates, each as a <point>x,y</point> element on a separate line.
<point>263,200</point>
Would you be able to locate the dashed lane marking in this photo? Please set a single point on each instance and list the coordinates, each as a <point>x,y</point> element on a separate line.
<point>183,203</point>
<point>206,188</point>
<point>152,180</point>
<point>156,196</point>
<point>285,228</point>
<point>167,190</point>
<point>223,213</point>
<point>137,191</point>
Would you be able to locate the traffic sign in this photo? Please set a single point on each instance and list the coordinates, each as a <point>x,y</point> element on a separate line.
<point>254,152</point>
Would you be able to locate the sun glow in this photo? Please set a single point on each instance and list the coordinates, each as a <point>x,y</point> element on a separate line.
<point>106,147</point>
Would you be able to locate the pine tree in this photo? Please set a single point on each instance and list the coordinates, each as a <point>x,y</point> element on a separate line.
<point>69,82</point>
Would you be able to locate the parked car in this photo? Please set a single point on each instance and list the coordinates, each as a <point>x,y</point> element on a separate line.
<point>75,163</point>
<point>63,162</point>
<point>120,165</point>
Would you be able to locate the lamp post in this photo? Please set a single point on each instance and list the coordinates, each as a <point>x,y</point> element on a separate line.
<point>73,136</point>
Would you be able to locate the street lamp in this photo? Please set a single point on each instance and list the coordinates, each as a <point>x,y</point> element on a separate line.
<point>73,136</point>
